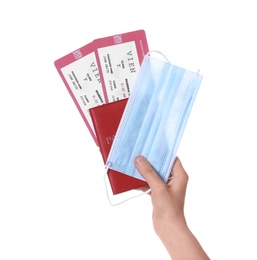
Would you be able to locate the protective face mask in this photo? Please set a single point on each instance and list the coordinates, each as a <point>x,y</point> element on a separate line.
<point>155,117</point>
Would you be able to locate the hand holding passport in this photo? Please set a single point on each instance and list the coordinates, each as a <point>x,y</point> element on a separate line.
<point>100,78</point>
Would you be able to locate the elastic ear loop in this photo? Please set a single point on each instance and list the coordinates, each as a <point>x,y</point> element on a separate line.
<point>198,71</point>
<point>121,202</point>
<point>160,54</point>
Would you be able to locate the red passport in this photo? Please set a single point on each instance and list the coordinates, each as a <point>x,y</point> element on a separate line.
<point>106,119</point>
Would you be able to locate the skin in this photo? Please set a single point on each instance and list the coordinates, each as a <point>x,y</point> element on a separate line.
<point>168,217</point>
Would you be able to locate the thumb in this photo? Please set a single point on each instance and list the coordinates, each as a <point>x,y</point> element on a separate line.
<point>148,172</point>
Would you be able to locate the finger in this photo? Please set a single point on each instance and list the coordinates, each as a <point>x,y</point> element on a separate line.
<point>148,172</point>
<point>179,173</point>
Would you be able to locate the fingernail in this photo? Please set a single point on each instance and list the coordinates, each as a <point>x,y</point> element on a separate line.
<point>140,160</point>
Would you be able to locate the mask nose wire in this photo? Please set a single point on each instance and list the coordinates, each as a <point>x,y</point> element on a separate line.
<point>125,200</point>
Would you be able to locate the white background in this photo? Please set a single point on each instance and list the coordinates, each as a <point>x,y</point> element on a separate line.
<point>52,197</point>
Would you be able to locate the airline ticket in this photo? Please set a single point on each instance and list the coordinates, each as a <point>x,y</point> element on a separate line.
<point>119,58</point>
<point>102,71</point>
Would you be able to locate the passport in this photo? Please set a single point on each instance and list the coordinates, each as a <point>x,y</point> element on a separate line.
<point>106,119</point>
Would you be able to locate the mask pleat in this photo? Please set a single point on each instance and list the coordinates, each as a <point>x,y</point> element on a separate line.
<point>160,146</point>
<point>152,117</point>
<point>161,113</point>
<point>193,87</point>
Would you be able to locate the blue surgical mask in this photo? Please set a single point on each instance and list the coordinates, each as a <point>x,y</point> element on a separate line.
<point>155,117</point>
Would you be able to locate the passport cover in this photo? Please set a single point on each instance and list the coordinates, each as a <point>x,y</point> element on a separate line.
<point>106,119</point>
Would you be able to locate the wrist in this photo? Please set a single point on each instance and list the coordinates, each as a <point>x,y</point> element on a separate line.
<point>171,229</point>
<point>169,223</point>
<point>180,241</point>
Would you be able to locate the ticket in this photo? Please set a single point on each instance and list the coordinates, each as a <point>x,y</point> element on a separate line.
<point>80,74</point>
<point>102,71</point>
<point>119,58</point>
